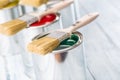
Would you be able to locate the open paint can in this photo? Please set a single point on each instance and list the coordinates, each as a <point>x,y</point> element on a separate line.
<point>11,49</point>
<point>67,45</point>
<point>65,63</point>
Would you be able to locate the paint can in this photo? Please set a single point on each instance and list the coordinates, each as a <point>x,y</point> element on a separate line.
<point>12,67</point>
<point>64,63</point>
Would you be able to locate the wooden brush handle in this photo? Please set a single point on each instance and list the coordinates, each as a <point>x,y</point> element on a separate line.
<point>60,5</point>
<point>55,8</point>
<point>83,21</point>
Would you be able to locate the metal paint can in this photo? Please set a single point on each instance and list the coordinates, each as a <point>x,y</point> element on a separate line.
<point>62,64</point>
<point>12,66</point>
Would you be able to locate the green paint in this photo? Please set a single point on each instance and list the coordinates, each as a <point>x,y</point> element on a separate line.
<point>68,42</point>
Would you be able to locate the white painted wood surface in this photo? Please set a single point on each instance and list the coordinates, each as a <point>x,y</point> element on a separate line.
<point>102,39</point>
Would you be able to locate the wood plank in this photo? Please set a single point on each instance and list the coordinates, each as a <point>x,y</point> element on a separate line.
<point>101,41</point>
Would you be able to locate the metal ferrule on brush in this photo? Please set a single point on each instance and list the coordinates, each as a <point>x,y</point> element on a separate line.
<point>29,19</point>
<point>59,35</point>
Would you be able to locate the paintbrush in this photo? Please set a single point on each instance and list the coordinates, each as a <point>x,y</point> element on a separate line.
<point>34,3</point>
<point>3,3</point>
<point>12,27</point>
<point>48,43</point>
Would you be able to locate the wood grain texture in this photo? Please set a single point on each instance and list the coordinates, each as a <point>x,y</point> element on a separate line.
<point>101,39</point>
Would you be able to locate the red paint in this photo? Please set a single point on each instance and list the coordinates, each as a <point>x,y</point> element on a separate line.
<point>45,19</point>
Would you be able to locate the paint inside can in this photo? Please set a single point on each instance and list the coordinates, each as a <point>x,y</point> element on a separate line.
<point>72,40</point>
<point>45,20</point>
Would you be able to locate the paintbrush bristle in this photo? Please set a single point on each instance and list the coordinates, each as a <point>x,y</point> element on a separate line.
<point>48,43</point>
<point>34,3</point>
<point>12,27</point>
<point>43,45</point>
<point>3,3</point>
